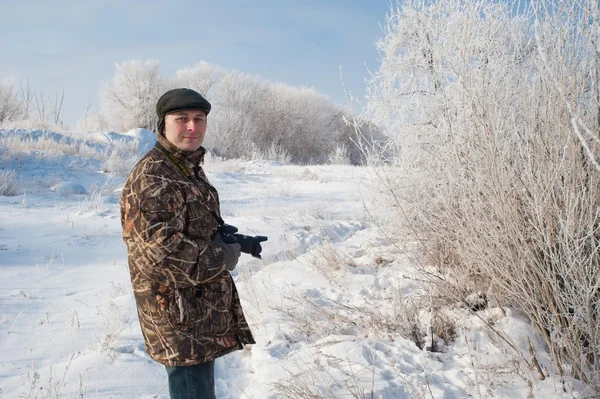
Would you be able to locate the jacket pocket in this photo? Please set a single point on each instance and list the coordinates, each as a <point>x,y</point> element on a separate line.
<point>179,308</point>
<point>215,301</point>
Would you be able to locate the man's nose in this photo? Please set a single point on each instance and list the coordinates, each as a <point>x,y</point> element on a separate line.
<point>191,125</point>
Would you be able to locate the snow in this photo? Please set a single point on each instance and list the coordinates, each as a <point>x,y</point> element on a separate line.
<point>66,188</point>
<point>326,304</point>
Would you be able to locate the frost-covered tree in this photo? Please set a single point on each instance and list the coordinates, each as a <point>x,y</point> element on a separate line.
<point>129,100</point>
<point>202,77</point>
<point>29,108</point>
<point>301,120</point>
<point>253,117</point>
<point>233,123</point>
<point>47,109</point>
<point>250,118</point>
<point>11,106</point>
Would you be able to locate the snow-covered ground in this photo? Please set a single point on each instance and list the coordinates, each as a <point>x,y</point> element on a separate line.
<point>332,304</point>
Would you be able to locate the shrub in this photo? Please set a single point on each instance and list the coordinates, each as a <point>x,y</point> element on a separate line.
<point>11,106</point>
<point>121,157</point>
<point>493,122</point>
<point>9,183</point>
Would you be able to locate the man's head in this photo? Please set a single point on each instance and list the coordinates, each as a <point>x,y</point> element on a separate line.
<point>182,118</point>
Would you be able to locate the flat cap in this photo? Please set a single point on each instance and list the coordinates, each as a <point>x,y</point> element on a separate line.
<point>179,100</point>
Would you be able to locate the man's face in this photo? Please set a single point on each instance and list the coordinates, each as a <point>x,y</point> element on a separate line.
<point>186,129</point>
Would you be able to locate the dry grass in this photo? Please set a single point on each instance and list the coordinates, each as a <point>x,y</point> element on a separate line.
<point>46,144</point>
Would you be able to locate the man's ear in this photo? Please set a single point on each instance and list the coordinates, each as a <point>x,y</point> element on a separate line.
<point>160,127</point>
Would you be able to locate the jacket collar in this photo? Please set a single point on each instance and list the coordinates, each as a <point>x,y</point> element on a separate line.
<point>194,157</point>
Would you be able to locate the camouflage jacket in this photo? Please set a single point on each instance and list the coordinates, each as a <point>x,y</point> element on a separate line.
<point>188,306</point>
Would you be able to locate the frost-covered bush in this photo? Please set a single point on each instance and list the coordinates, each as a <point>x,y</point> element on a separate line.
<point>9,183</point>
<point>274,152</point>
<point>339,156</point>
<point>493,123</point>
<point>101,197</point>
<point>11,106</point>
<point>121,157</point>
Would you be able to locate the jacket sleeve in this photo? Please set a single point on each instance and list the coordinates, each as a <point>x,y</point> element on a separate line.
<point>155,225</point>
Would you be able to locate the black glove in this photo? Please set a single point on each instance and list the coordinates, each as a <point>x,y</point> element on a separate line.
<point>249,244</point>
<point>231,252</point>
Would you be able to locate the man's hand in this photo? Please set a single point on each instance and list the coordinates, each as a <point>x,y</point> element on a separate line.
<point>231,251</point>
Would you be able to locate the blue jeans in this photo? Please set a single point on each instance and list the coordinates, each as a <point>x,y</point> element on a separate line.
<point>192,382</point>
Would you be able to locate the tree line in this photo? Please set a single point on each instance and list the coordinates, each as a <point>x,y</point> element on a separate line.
<point>251,117</point>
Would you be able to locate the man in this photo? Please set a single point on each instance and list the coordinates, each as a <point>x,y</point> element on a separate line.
<point>187,303</point>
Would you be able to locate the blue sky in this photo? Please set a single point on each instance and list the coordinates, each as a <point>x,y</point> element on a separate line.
<point>75,44</point>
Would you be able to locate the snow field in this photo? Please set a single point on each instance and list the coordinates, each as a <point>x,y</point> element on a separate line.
<point>335,307</point>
